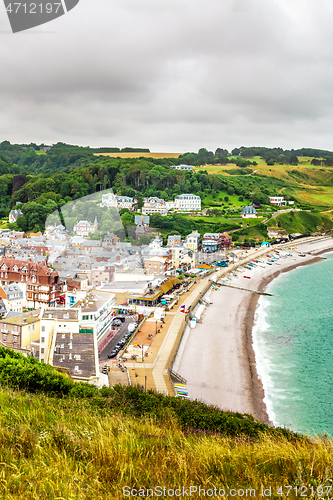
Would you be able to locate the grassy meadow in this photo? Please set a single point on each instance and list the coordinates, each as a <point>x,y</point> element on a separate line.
<point>309,184</point>
<point>64,449</point>
<point>63,440</point>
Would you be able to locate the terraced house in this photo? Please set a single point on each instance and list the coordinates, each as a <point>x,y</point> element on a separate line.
<point>40,284</point>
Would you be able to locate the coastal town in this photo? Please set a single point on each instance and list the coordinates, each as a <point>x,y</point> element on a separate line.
<point>109,311</point>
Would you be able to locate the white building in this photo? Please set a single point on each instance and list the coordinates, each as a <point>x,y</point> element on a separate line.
<point>124,202</point>
<point>14,214</point>
<point>279,201</point>
<point>83,228</point>
<point>170,205</point>
<point>182,257</point>
<point>111,200</point>
<point>249,212</point>
<point>188,203</point>
<point>192,241</point>
<point>187,168</point>
<point>154,205</point>
<point>13,297</point>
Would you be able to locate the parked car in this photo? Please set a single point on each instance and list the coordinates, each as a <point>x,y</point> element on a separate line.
<point>116,322</point>
<point>132,327</point>
<point>121,318</point>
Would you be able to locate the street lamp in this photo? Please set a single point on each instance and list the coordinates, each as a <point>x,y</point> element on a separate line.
<point>156,327</point>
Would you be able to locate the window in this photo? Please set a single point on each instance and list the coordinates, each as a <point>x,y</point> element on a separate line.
<point>15,339</point>
<point>15,328</point>
<point>43,328</point>
<point>42,350</point>
<point>4,337</point>
<point>42,339</point>
<point>42,360</point>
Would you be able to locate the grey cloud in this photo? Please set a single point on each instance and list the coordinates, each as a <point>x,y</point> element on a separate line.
<point>172,75</point>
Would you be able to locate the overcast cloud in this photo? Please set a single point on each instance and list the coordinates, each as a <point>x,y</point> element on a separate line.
<point>172,75</point>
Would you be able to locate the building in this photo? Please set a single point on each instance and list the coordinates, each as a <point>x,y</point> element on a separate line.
<point>154,205</point>
<point>14,214</point>
<point>192,241</point>
<point>187,203</point>
<point>174,239</point>
<point>97,309</point>
<point>156,289</point>
<point>279,201</point>
<point>124,202</point>
<point>156,265</point>
<point>155,251</point>
<point>111,200</point>
<point>41,285</point>
<point>102,274</point>
<point>20,330</point>
<point>186,168</point>
<point>249,212</point>
<point>222,240</point>
<point>83,228</point>
<point>110,239</point>
<point>55,321</point>
<point>183,259</point>
<point>170,205</point>
<point>226,240</point>
<point>12,297</point>
<point>141,225</point>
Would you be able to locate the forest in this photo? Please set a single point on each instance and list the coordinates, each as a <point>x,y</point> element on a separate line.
<point>43,179</point>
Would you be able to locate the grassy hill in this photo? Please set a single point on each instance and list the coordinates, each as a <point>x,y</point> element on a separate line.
<point>62,440</point>
<point>301,222</point>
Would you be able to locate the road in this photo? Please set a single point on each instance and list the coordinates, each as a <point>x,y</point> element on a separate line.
<point>103,356</point>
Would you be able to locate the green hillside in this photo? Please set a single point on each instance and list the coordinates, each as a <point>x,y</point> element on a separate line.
<point>302,222</point>
<point>225,182</point>
<point>71,441</point>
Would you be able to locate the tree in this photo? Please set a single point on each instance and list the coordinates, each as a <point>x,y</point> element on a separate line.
<point>259,198</point>
<point>293,160</point>
<point>220,153</point>
<point>34,215</point>
<point>19,181</point>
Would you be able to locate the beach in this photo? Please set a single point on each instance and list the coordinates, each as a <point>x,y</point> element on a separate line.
<point>218,360</point>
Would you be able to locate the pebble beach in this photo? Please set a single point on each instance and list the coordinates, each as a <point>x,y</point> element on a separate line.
<point>218,360</point>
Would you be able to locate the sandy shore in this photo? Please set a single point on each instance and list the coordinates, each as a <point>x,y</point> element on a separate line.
<point>218,360</point>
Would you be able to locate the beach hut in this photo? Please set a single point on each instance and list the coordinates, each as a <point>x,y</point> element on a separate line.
<point>265,244</point>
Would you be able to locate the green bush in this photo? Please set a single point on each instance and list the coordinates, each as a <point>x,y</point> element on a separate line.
<point>26,373</point>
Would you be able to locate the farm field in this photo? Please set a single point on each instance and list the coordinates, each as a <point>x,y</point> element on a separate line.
<point>140,155</point>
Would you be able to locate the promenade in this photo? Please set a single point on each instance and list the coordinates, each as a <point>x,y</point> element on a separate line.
<point>151,371</point>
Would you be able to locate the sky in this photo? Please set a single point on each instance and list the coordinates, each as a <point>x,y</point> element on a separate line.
<point>172,75</point>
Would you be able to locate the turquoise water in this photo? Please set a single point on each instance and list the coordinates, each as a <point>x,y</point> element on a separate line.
<point>293,343</point>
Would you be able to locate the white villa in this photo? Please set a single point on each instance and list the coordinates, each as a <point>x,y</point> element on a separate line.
<point>154,205</point>
<point>187,203</point>
<point>111,200</point>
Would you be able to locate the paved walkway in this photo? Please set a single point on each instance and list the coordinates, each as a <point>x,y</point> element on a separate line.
<point>152,372</point>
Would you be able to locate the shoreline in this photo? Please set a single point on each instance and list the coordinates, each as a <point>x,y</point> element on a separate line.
<point>233,382</point>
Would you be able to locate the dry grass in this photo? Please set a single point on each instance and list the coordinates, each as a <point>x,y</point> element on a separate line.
<point>53,449</point>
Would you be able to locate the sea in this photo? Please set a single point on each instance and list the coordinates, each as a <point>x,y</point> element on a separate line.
<point>293,344</point>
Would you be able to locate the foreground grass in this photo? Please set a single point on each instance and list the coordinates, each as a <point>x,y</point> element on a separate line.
<point>66,449</point>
